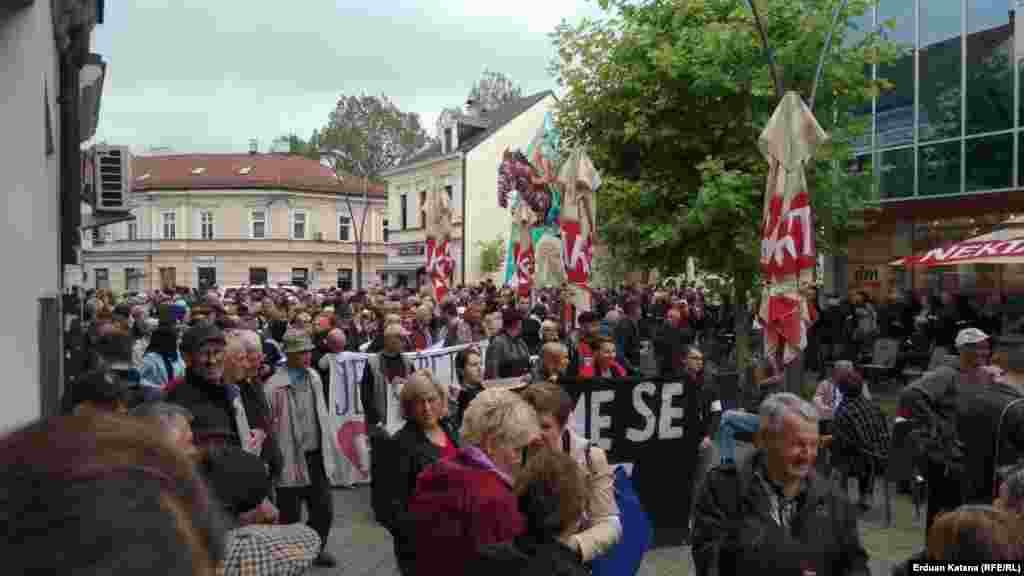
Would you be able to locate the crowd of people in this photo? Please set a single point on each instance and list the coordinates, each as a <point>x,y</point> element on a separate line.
<point>205,420</point>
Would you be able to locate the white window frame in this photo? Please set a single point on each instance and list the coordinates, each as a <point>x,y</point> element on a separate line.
<point>266,223</point>
<point>305,224</point>
<point>348,226</point>
<point>163,224</point>
<point>384,231</point>
<point>203,223</point>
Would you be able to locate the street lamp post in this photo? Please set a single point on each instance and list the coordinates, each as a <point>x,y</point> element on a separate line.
<point>358,231</point>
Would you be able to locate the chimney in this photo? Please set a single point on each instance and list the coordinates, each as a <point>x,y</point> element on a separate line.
<point>254,146</point>
<point>471,108</point>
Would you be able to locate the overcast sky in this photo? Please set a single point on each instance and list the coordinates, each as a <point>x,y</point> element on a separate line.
<point>208,75</point>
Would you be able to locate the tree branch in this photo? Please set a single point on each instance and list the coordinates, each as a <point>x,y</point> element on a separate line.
<point>772,67</point>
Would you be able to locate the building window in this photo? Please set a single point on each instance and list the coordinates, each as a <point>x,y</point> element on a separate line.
<point>169,220</point>
<point>206,225</point>
<point>404,211</point>
<point>102,279</point>
<point>258,276</point>
<point>133,230</point>
<point>207,277</point>
<point>423,208</point>
<point>299,225</point>
<point>447,140</point>
<point>168,278</point>
<point>450,191</point>
<point>258,224</point>
<point>132,279</point>
<point>98,238</point>
<point>384,230</point>
<point>344,226</point>
<point>345,278</point>
<point>300,277</point>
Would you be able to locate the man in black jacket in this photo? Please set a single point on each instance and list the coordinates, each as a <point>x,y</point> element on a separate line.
<point>203,386</point>
<point>771,514</point>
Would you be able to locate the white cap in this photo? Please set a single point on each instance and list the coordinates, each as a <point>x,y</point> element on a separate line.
<point>969,337</point>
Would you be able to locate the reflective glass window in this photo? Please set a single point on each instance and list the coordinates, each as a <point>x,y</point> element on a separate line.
<point>896,173</point>
<point>895,121</point>
<point>990,162</point>
<point>939,169</point>
<point>940,65</point>
<point>989,66</point>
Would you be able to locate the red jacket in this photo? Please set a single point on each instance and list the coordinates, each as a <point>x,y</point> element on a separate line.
<point>460,505</point>
<point>587,371</point>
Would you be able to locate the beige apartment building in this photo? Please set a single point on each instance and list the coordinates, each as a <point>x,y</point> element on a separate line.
<point>239,219</point>
<point>462,163</point>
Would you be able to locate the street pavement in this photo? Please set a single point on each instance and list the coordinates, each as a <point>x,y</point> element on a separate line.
<point>364,548</point>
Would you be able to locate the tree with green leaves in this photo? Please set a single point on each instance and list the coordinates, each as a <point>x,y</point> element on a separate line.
<point>494,89</point>
<point>364,136</point>
<point>670,98</point>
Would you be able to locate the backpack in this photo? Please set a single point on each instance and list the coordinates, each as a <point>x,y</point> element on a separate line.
<point>624,558</point>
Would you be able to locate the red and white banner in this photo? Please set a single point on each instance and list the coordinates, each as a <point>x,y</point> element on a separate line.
<point>577,251</point>
<point>439,266</point>
<point>1005,246</point>
<point>524,268</point>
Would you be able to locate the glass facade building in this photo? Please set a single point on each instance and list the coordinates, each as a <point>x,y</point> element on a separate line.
<point>946,143</point>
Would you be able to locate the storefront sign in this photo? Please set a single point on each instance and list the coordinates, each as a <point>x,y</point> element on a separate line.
<point>1011,250</point>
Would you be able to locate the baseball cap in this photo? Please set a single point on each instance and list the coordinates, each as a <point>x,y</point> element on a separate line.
<point>970,337</point>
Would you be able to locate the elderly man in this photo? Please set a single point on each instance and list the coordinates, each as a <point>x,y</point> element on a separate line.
<point>933,402</point>
<point>772,511</point>
<point>554,360</point>
<point>306,432</point>
<point>203,348</point>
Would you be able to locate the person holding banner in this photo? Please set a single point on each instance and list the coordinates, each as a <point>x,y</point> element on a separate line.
<point>427,437</point>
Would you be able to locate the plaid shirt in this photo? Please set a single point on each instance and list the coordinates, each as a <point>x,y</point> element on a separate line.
<point>860,428</point>
<point>269,550</point>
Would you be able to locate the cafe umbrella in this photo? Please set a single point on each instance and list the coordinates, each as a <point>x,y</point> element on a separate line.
<point>788,252</point>
<point>1004,246</point>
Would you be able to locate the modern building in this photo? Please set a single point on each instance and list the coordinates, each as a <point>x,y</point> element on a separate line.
<point>204,220</point>
<point>49,90</point>
<point>462,163</point>
<point>946,146</point>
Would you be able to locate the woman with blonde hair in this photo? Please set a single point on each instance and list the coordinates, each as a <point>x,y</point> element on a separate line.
<point>472,491</point>
<point>427,437</point>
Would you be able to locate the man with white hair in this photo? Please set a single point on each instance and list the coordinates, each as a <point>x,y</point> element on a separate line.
<point>772,511</point>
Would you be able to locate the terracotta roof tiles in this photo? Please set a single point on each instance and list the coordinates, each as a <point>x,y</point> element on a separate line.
<point>239,171</point>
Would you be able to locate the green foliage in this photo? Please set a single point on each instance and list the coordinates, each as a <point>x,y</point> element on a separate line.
<point>492,255</point>
<point>670,97</point>
<point>364,135</point>
<point>494,89</point>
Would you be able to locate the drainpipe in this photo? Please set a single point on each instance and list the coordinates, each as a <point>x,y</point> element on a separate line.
<point>462,159</point>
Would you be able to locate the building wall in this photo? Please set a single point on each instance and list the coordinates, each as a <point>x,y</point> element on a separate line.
<point>485,220</point>
<point>412,183</point>
<point>29,243</point>
<point>233,251</point>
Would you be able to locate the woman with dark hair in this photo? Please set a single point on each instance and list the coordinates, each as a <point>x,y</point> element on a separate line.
<point>104,494</point>
<point>162,364</point>
<point>470,369</point>
<point>860,436</point>
<point>552,497</point>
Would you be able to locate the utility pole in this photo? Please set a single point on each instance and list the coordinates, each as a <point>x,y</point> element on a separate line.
<point>358,231</point>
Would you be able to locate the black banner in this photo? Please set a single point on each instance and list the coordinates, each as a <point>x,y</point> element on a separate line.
<point>643,421</point>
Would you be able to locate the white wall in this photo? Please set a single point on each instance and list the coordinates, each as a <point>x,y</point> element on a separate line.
<point>29,243</point>
<point>485,220</point>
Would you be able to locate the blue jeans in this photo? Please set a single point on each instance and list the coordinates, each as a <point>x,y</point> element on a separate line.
<point>734,421</point>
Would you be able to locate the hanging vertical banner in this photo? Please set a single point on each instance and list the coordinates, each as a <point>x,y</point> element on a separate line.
<point>440,263</point>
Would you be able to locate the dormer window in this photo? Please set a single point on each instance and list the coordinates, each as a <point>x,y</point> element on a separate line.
<point>198,171</point>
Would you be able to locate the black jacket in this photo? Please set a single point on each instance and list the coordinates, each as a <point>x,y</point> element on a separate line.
<point>257,411</point>
<point>734,532</point>
<point>527,556</point>
<point>195,392</point>
<point>412,452</point>
<point>707,411</point>
<point>981,408</point>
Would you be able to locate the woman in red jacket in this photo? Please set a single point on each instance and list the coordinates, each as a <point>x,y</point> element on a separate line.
<point>604,365</point>
<point>466,502</point>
